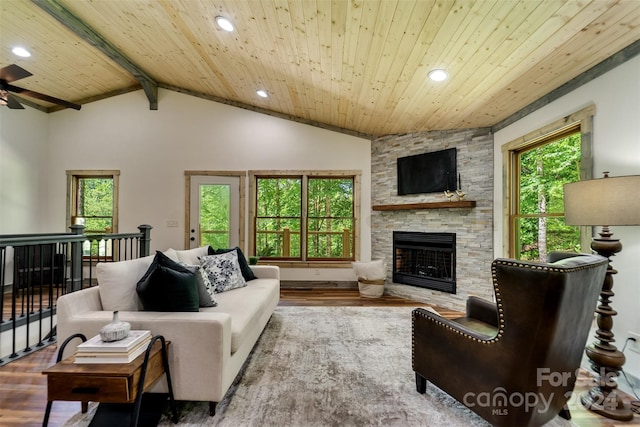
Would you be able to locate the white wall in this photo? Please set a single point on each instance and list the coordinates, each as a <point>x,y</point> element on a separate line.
<point>23,165</point>
<point>616,142</point>
<point>152,149</point>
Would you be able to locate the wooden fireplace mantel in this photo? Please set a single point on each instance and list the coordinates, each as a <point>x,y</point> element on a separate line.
<point>461,204</point>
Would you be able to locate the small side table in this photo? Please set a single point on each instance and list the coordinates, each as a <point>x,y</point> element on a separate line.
<point>109,383</point>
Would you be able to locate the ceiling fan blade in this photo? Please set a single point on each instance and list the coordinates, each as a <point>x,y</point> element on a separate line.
<point>13,103</point>
<point>43,97</point>
<point>13,72</point>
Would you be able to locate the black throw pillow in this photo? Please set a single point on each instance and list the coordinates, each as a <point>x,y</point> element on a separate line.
<point>168,286</point>
<point>247,272</point>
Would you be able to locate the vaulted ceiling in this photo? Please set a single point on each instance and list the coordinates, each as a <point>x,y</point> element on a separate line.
<point>354,65</point>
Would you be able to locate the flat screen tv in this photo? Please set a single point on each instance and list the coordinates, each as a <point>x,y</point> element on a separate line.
<point>427,173</point>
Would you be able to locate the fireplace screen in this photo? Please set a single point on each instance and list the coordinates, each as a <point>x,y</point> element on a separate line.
<point>426,260</point>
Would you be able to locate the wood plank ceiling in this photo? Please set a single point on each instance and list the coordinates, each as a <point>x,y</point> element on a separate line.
<point>356,65</point>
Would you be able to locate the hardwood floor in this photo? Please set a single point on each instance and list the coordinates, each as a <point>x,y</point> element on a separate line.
<point>23,392</point>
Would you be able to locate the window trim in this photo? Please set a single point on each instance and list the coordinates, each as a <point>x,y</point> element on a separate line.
<point>304,262</point>
<point>581,121</point>
<point>72,182</point>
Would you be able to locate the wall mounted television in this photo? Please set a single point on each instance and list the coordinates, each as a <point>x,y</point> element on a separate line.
<point>427,173</point>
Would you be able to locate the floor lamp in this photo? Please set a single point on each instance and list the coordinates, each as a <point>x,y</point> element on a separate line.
<point>611,201</point>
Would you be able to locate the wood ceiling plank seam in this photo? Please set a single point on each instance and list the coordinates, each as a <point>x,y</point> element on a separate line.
<point>185,31</point>
<point>365,27</point>
<point>68,84</point>
<point>303,60</point>
<point>254,69</point>
<point>396,118</point>
<point>621,30</point>
<point>289,61</point>
<point>591,54</point>
<point>277,63</point>
<point>534,48</point>
<point>454,17</point>
<point>191,53</point>
<point>576,45</point>
<point>463,62</point>
<point>338,40</point>
<point>312,31</point>
<point>352,22</point>
<point>325,27</point>
<point>398,46</point>
<point>68,19</point>
<point>501,23</point>
<point>361,27</point>
<point>419,65</point>
<point>380,32</point>
<point>325,18</point>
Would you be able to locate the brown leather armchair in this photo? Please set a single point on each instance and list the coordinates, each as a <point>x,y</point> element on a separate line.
<point>514,362</point>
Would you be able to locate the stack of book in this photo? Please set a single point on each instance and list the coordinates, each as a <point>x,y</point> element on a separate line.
<point>126,350</point>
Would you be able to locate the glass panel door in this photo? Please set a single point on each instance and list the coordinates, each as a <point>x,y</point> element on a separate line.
<point>215,211</point>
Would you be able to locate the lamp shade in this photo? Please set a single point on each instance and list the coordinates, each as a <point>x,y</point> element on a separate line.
<point>604,201</point>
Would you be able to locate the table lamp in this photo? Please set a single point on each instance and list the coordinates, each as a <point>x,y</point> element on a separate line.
<point>596,202</point>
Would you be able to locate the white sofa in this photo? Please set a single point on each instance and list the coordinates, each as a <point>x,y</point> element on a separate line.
<point>208,347</point>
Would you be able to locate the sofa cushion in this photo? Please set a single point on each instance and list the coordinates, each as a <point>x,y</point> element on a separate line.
<point>223,271</point>
<point>246,306</point>
<point>117,282</point>
<point>247,273</point>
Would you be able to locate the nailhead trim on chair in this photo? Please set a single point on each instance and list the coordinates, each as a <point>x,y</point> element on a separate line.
<point>499,302</point>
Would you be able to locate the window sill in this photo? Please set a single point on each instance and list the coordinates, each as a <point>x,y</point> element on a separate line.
<point>308,264</point>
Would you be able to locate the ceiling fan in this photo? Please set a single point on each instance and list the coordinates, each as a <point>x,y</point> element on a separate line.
<point>14,72</point>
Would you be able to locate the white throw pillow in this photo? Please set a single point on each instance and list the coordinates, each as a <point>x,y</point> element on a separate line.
<point>223,271</point>
<point>117,283</point>
<point>192,256</point>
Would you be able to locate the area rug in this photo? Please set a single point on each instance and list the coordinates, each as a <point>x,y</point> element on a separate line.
<point>330,366</point>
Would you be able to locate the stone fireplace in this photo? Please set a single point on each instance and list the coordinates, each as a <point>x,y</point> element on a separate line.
<point>468,271</point>
<point>426,260</point>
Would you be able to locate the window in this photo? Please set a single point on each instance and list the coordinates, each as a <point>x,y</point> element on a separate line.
<point>536,167</point>
<point>304,216</point>
<point>93,201</point>
<point>538,220</point>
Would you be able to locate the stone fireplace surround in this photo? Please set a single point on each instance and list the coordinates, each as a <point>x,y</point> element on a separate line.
<point>473,226</point>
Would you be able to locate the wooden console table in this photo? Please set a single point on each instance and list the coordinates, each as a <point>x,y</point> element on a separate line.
<point>110,383</point>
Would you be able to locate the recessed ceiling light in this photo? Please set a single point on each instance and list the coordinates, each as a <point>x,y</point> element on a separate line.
<point>438,75</point>
<point>224,23</point>
<point>20,51</point>
<point>262,93</point>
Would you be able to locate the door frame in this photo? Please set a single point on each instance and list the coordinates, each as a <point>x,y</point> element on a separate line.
<point>187,215</point>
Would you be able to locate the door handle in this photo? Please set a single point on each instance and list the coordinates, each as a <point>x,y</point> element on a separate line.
<point>192,239</point>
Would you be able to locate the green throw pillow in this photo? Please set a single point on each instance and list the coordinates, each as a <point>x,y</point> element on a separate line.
<point>168,286</point>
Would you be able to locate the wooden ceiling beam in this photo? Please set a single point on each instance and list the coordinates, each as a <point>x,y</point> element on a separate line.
<point>72,22</point>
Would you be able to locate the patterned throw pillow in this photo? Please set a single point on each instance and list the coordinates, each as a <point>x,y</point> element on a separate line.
<point>206,290</point>
<point>223,271</point>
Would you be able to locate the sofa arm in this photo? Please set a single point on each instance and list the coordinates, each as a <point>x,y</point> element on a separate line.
<point>266,271</point>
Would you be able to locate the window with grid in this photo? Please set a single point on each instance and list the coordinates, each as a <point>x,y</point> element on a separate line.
<point>537,225</point>
<point>304,217</point>
<point>93,197</point>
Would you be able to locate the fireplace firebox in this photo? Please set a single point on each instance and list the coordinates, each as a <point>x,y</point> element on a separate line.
<point>426,260</point>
